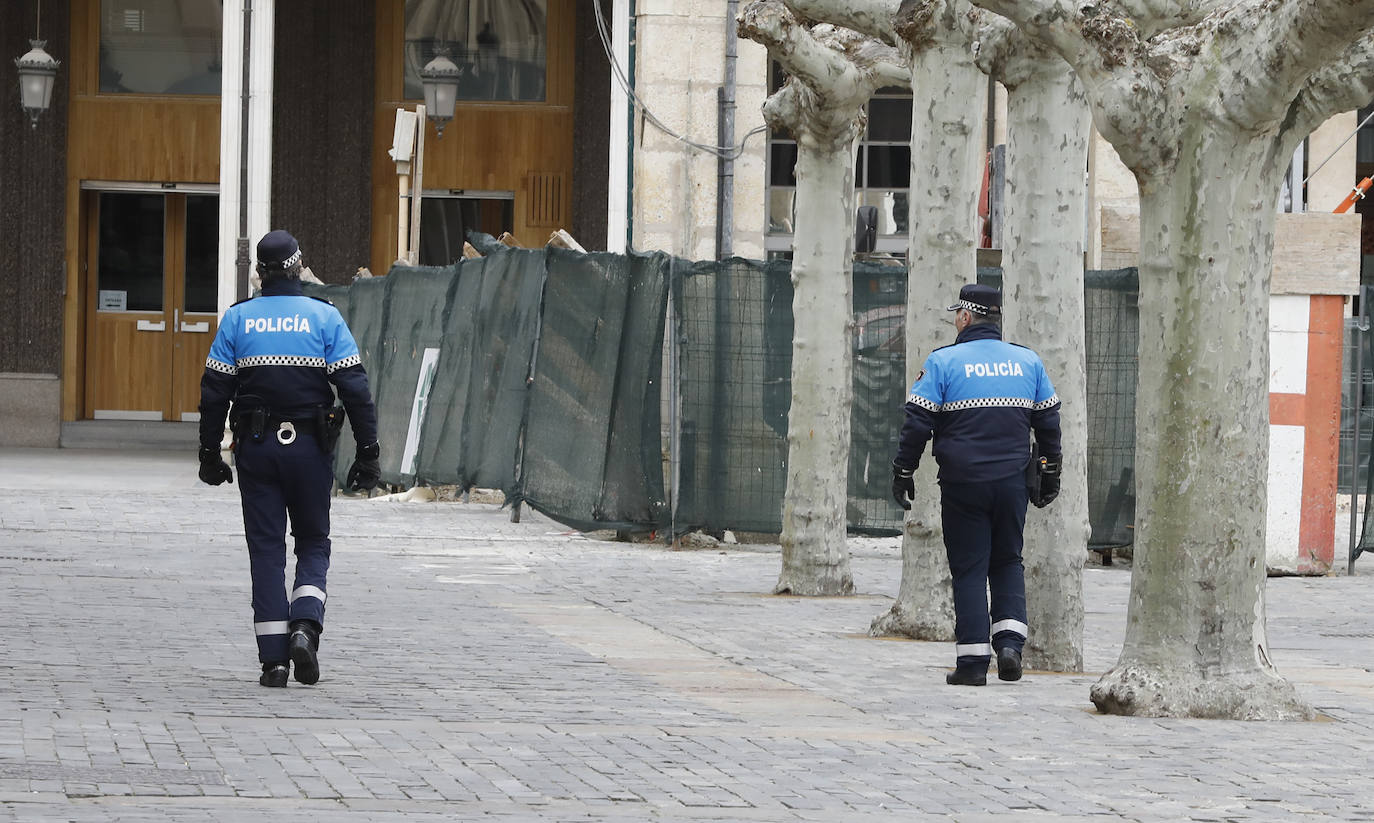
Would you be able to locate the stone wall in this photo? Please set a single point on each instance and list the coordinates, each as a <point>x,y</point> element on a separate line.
<point>322,120</point>
<point>680,64</point>
<point>33,206</point>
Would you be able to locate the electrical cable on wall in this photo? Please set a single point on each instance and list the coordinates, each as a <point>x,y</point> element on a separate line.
<point>727,152</point>
<point>1338,148</point>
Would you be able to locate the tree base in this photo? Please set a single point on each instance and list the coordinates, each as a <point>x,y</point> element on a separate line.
<point>1147,691</point>
<point>898,621</point>
<point>824,586</point>
<point>1062,658</point>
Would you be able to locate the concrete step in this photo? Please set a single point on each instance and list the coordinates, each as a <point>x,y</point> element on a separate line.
<point>122,434</point>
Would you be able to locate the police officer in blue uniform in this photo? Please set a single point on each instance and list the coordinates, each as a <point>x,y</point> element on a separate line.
<point>980,399</point>
<point>275,358</point>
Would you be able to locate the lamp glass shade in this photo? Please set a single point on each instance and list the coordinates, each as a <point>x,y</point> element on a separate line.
<point>37,75</point>
<point>35,90</point>
<point>440,78</point>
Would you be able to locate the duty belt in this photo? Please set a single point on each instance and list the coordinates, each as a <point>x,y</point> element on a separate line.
<point>257,422</point>
<point>324,424</point>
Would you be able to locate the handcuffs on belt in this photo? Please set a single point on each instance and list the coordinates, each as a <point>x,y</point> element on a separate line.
<point>286,433</point>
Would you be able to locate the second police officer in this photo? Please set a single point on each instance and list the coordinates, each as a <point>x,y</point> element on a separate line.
<point>279,359</point>
<point>979,399</point>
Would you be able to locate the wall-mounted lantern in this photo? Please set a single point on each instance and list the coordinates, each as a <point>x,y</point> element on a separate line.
<point>37,73</point>
<point>440,78</point>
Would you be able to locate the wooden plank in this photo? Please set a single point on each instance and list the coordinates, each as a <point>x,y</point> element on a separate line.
<point>1314,252</point>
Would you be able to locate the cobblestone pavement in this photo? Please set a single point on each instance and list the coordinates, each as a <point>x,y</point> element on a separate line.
<point>476,669</point>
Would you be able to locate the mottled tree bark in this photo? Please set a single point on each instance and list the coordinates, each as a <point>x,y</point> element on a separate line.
<point>832,72</point>
<point>947,158</point>
<point>1042,285</point>
<point>1204,102</point>
<point>935,37</point>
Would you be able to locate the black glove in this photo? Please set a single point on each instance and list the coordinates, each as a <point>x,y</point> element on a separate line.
<point>903,486</point>
<point>1049,480</point>
<point>366,471</point>
<point>213,469</point>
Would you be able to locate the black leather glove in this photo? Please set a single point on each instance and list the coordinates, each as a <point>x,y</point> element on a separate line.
<point>213,469</point>
<point>366,471</point>
<point>1049,480</point>
<point>903,486</point>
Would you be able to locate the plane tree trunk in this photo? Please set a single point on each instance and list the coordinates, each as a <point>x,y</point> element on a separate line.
<point>1206,113</point>
<point>1042,284</point>
<point>947,160</point>
<point>948,103</point>
<point>832,73</point>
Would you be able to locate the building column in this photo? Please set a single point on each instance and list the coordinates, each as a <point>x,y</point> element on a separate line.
<point>259,195</point>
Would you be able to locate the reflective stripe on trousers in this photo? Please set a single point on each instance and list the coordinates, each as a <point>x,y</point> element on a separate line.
<point>983,523</point>
<point>277,482</point>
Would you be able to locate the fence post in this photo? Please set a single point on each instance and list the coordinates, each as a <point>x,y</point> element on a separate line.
<point>1360,329</point>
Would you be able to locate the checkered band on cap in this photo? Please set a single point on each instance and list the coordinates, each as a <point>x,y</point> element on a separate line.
<point>970,306</point>
<point>278,250</point>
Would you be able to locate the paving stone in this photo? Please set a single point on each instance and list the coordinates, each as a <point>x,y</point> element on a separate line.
<point>474,668</point>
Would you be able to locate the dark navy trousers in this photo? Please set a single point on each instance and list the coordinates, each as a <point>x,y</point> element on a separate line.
<point>983,523</point>
<point>277,482</point>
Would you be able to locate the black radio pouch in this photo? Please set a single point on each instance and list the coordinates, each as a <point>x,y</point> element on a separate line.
<point>1033,473</point>
<point>328,424</point>
<point>257,422</point>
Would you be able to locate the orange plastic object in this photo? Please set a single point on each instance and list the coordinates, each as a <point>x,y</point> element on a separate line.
<point>1356,193</point>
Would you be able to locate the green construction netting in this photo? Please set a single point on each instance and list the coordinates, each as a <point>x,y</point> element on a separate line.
<point>539,372</point>
<point>591,456</point>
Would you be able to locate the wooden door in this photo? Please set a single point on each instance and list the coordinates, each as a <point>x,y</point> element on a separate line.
<point>152,303</point>
<point>194,298</point>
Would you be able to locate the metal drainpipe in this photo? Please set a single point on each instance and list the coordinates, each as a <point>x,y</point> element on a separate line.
<point>242,261</point>
<point>1362,328</point>
<point>725,173</point>
<point>725,166</point>
<point>632,28</point>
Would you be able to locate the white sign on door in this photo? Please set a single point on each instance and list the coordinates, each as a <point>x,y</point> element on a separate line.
<point>113,300</point>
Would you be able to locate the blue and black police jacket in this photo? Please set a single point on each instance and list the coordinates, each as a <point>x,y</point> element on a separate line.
<point>980,398</point>
<point>281,352</point>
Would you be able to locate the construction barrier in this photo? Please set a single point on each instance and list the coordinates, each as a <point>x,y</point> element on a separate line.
<point>541,372</point>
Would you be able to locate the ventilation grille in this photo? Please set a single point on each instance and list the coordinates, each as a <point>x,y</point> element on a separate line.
<point>545,199</point>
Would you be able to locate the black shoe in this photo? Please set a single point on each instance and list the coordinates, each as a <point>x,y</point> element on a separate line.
<point>273,675</point>
<point>304,643</point>
<point>968,676</point>
<point>1008,664</point>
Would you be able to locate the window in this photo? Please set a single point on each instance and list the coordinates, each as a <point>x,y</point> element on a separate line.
<point>1364,150</point>
<point>882,170</point>
<point>501,46</point>
<point>160,46</point>
<point>1292,192</point>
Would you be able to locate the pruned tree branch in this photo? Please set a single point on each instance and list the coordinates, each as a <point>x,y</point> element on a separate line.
<point>1344,84</point>
<point>833,70</point>
<point>1100,43</point>
<point>1153,16</point>
<point>1282,63</point>
<point>871,17</point>
<point>836,62</point>
<point>921,24</point>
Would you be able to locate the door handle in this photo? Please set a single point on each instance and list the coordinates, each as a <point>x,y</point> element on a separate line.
<point>203,327</point>
<point>148,325</point>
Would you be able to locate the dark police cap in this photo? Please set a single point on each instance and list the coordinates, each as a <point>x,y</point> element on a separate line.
<point>979,299</point>
<point>278,250</point>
